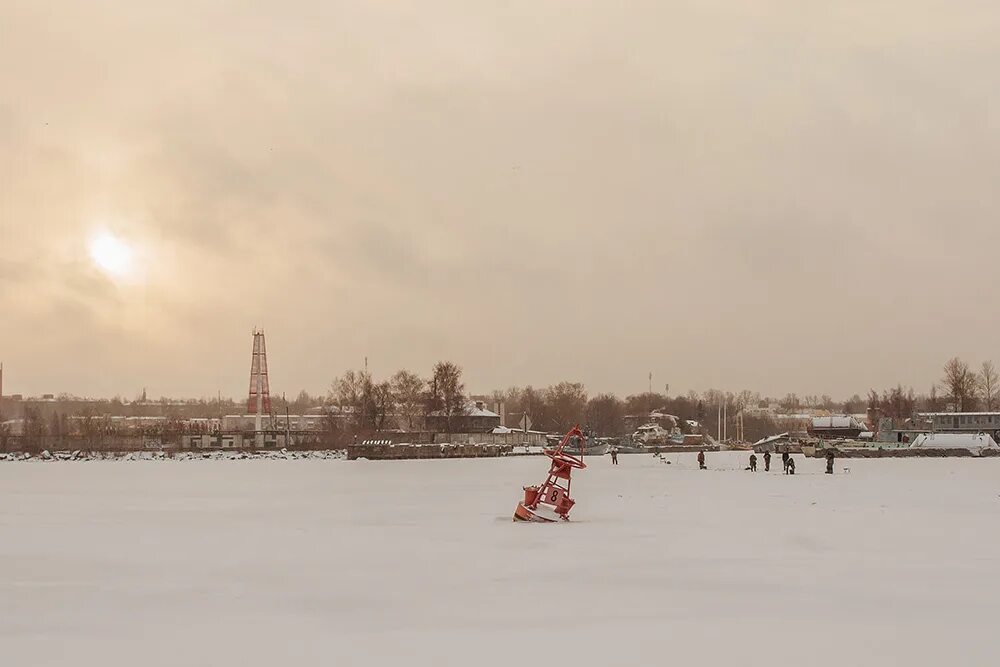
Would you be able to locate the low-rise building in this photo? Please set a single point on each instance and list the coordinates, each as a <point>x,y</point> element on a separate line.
<point>960,422</point>
<point>276,422</point>
<point>475,419</point>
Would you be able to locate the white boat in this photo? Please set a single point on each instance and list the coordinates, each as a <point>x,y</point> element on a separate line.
<point>592,447</point>
<point>651,433</point>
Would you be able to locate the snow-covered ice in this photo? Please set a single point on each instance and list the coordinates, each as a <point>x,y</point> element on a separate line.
<point>317,562</point>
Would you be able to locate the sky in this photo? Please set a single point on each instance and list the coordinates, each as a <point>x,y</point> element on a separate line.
<point>785,196</point>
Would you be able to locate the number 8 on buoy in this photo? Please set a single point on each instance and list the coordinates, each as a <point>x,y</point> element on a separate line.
<point>549,501</point>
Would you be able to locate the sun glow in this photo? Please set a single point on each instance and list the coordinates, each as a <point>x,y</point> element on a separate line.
<point>112,255</point>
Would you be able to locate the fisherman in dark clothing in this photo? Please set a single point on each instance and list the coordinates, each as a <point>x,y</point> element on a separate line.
<point>791,466</point>
<point>753,463</point>
<point>829,462</point>
<point>614,456</point>
<point>701,461</point>
<point>767,461</point>
<point>784,461</point>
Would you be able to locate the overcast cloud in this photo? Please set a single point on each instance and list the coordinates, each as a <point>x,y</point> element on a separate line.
<point>782,196</point>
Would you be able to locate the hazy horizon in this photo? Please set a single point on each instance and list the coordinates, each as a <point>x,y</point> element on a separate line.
<point>782,196</point>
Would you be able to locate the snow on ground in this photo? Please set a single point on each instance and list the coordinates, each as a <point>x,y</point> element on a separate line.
<point>417,563</point>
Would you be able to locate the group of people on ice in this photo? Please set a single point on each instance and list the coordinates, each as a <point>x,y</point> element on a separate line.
<point>787,462</point>
<point>786,459</point>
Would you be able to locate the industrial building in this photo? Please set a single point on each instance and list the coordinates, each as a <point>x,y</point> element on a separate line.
<point>960,422</point>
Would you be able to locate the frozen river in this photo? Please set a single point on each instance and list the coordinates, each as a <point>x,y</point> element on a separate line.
<point>418,563</point>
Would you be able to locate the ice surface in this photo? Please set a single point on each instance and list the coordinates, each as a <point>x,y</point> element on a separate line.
<point>316,562</point>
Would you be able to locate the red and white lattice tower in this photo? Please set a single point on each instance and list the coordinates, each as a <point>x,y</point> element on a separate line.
<point>259,402</point>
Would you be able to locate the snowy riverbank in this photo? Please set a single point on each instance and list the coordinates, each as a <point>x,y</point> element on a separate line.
<point>216,455</point>
<point>417,563</point>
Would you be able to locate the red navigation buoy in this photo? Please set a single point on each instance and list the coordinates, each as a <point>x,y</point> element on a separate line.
<point>550,501</point>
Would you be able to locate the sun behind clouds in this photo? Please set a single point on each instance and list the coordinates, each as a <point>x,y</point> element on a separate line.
<point>114,256</point>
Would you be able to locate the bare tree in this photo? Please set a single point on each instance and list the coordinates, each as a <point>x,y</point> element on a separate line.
<point>348,392</point>
<point>381,399</point>
<point>4,433</point>
<point>408,394</point>
<point>604,414</point>
<point>34,429</point>
<point>644,403</point>
<point>330,430</point>
<point>567,402</point>
<point>525,401</point>
<point>87,425</point>
<point>303,402</point>
<point>960,383</point>
<point>874,405</point>
<point>790,402</point>
<point>989,385</point>
<point>746,399</point>
<point>446,392</point>
<point>55,425</point>
<point>898,404</point>
<point>366,404</point>
<point>933,402</point>
<point>853,405</point>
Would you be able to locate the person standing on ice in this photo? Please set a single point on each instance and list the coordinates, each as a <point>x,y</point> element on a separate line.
<point>701,461</point>
<point>767,461</point>
<point>784,461</point>
<point>829,462</point>
<point>614,456</point>
<point>753,463</point>
<point>790,466</point>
